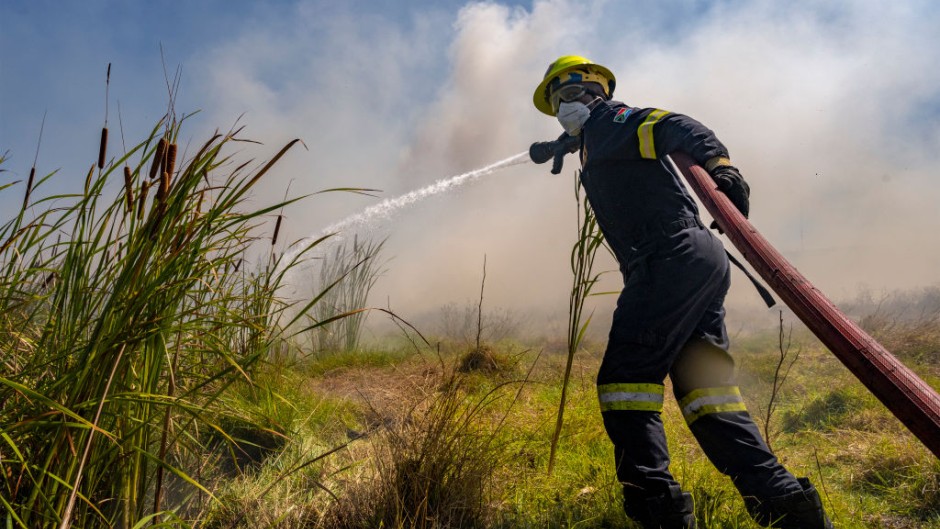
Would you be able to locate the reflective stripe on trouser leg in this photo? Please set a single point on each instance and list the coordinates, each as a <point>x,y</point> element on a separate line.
<point>705,401</point>
<point>720,423</point>
<point>631,413</point>
<point>630,397</point>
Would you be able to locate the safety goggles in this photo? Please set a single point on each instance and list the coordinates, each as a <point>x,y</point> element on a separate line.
<point>568,93</point>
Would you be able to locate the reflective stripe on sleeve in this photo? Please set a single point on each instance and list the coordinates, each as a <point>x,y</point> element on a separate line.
<point>706,401</point>
<point>645,134</point>
<point>717,161</point>
<point>630,397</point>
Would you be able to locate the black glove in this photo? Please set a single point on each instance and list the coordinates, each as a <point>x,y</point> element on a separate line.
<point>541,152</point>
<point>732,184</point>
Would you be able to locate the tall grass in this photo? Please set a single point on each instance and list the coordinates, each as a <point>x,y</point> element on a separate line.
<point>123,318</point>
<point>346,276</point>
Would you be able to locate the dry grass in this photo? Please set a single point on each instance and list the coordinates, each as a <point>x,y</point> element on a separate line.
<point>433,462</point>
<point>485,359</point>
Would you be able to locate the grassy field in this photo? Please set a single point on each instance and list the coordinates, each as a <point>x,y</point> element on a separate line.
<point>428,444</point>
<point>151,377</point>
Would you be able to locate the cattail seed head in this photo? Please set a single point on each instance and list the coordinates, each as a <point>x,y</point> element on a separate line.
<point>29,186</point>
<point>277,229</point>
<point>170,159</point>
<point>142,200</point>
<point>158,158</point>
<point>160,203</point>
<point>103,147</point>
<point>163,192</point>
<point>129,188</point>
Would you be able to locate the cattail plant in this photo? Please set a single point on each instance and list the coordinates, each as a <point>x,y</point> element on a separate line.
<point>131,335</point>
<point>32,171</point>
<point>103,144</point>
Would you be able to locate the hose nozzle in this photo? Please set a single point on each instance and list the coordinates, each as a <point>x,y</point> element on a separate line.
<point>543,151</point>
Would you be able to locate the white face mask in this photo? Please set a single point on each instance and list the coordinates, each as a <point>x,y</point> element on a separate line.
<point>573,116</point>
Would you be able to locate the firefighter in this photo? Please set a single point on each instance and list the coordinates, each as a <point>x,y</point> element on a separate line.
<point>669,319</point>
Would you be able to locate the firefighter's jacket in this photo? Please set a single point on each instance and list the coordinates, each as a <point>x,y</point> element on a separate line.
<point>634,196</point>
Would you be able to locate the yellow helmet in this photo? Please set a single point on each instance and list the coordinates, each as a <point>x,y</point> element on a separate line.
<point>587,72</point>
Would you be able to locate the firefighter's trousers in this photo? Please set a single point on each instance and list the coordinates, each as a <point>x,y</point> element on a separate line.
<point>669,321</point>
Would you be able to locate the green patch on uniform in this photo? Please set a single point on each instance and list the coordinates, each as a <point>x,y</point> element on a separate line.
<point>621,116</point>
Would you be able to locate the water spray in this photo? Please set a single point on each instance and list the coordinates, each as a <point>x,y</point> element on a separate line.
<point>385,209</point>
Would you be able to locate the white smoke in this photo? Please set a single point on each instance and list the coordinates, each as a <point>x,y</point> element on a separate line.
<point>822,107</point>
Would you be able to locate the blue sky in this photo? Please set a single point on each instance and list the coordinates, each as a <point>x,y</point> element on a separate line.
<point>831,109</point>
<point>53,58</point>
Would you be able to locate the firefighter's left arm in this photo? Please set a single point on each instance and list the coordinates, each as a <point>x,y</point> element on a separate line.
<point>664,132</point>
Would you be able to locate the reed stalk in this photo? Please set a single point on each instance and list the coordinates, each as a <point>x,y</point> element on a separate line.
<point>590,239</point>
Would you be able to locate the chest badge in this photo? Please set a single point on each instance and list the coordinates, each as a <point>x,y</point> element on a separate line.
<point>622,114</point>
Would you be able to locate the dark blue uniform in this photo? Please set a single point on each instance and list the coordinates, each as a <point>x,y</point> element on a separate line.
<point>670,317</point>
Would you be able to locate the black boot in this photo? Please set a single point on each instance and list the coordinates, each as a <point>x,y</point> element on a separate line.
<point>672,510</point>
<point>797,510</point>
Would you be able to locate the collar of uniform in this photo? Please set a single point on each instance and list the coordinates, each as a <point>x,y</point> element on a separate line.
<point>599,105</point>
<point>604,107</point>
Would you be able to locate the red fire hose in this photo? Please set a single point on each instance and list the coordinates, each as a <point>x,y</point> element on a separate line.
<point>909,398</point>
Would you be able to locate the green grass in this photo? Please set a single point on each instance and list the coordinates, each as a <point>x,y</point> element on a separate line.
<point>345,360</point>
<point>871,471</point>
